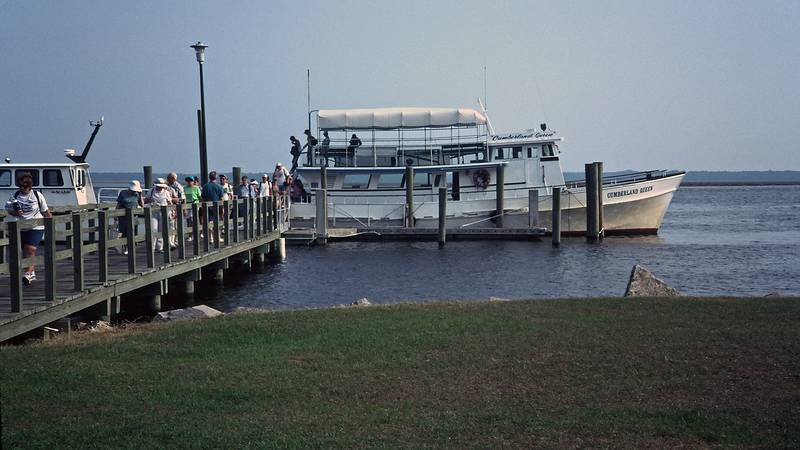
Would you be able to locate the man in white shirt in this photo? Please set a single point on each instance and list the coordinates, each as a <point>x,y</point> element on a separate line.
<point>27,204</point>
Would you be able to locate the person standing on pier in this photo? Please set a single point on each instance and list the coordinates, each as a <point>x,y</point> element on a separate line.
<point>178,196</point>
<point>160,195</point>
<point>192,193</point>
<point>265,187</point>
<point>244,191</point>
<point>212,192</point>
<point>129,198</point>
<point>28,204</point>
<point>227,189</point>
<point>311,143</point>
<point>295,151</point>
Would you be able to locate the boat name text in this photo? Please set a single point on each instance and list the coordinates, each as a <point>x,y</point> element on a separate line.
<point>537,134</point>
<point>633,191</point>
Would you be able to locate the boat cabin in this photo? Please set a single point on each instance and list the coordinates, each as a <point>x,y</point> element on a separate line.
<point>61,183</point>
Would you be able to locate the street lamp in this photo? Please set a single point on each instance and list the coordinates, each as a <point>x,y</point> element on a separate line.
<point>200,49</point>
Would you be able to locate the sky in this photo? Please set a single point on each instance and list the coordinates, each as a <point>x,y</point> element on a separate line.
<point>711,85</point>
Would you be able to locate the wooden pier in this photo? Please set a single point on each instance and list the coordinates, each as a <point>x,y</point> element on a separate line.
<point>83,264</point>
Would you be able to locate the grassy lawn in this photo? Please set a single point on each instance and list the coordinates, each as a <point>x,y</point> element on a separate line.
<point>562,373</point>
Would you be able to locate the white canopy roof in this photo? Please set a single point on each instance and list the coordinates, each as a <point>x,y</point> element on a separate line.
<point>392,118</point>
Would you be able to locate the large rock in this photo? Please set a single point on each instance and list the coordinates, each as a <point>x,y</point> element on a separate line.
<point>361,302</point>
<point>194,312</point>
<point>644,284</point>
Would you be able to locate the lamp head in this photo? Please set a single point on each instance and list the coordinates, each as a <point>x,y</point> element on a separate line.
<point>199,50</point>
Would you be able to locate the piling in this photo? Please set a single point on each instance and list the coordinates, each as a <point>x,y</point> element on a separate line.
<point>322,216</point>
<point>409,216</point>
<point>600,227</point>
<point>592,229</point>
<point>442,216</point>
<point>236,173</point>
<point>323,177</point>
<point>533,208</point>
<point>556,216</point>
<point>148,177</point>
<point>500,192</point>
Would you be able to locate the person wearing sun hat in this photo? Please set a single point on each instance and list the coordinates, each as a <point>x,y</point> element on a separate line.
<point>160,195</point>
<point>129,198</point>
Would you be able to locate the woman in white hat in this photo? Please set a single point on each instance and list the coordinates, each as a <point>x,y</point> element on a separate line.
<point>160,195</point>
<point>129,198</point>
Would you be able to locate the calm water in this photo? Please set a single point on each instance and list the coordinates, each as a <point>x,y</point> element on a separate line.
<point>714,241</point>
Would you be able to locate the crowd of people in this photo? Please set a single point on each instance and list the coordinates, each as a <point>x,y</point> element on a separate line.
<point>27,203</point>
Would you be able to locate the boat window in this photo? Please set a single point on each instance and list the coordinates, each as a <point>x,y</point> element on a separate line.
<point>52,177</point>
<point>501,153</point>
<point>356,181</point>
<point>530,152</point>
<point>547,150</point>
<point>422,180</point>
<point>81,178</point>
<point>5,178</point>
<point>517,152</point>
<point>34,173</point>
<point>390,180</point>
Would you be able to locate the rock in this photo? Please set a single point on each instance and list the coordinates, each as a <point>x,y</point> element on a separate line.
<point>361,302</point>
<point>99,326</point>
<point>498,299</point>
<point>194,312</point>
<point>644,284</point>
<point>773,295</point>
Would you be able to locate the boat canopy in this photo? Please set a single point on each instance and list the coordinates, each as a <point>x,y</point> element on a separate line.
<point>395,118</point>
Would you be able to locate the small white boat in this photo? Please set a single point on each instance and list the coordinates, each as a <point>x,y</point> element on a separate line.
<point>63,184</point>
<point>457,148</point>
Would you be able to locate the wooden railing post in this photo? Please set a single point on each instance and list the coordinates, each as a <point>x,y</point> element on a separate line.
<point>14,257</point>
<point>259,216</point>
<point>77,252</point>
<point>226,220</point>
<point>265,213</point>
<point>49,259</point>
<point>206,227</point>
<point>195,228</point>
<point>270,225</point>
<point>275,202</point>
<point>216,224</point>
<point>180,231</point>
<point>130,237</point>
<point>165,234</point>
<point>102,247</point>
<point>148,237</point>
<point>235,212</point>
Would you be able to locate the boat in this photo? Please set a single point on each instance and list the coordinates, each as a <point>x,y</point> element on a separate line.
<point>62,183</point>
<point>457,148</point>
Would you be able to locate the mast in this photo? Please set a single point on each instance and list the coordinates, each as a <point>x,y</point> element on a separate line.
<point>82,158</point>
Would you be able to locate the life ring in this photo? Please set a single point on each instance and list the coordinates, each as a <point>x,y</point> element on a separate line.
<point>481,178</point>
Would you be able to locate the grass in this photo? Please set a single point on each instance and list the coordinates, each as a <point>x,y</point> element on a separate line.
<point>565,373</point>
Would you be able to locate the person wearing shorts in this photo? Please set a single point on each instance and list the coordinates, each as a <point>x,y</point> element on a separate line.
<point>27,204</point>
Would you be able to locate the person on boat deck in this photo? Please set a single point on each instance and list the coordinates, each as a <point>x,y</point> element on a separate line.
<point>265,187</point>
<point>295,152</point>
<point>160,195</point>
<point>311,143</point>
<point>355,142</point>
<point>129,198</point>
<point>192,193</point>
<point>28,204</point>
<point>211,192</point>
<point>326,145</point>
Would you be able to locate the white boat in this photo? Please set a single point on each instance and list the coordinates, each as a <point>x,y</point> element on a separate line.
<point>457,148</point>
<point>63,184</point>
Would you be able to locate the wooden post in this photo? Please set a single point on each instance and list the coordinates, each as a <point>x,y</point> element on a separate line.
<point>206,226</point>
<point>409,216</point>
<point>600,227</point>
<point>102,247</point>
<point>49,259</point>
<point>226,221</point>
<point>165,234</point>
<point>130,237</point>
<point>235,213</point>
<point>321,196</point>
<point>591,202</point>
<point>215,205</point>
<point>77,252</point>
<point>275,201</point>
<point>556,216</point>
<point>251,217</point>
<point>236,173</point>
<point>148,237</point>
<point>148,177</point>
<point>257,202</point>
<point>265,212</point>
<point>533,208</point>
<point>195,228</point>
<point>270,201</point>
<point>14,257</point>
<point>323,177</point>
<point>180,231</point>
<point>499,194</point>
<point>442,216</point>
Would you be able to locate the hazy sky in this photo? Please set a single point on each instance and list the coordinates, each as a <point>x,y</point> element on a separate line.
<point>671,84</point>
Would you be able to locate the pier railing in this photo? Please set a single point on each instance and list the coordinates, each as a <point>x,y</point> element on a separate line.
<point>71,236</point>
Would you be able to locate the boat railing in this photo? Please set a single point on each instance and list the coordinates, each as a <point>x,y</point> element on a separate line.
<point>624,178</point>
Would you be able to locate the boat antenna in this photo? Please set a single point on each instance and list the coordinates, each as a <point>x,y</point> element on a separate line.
<point>485,100</point>
<point>488,122</point>
<point>308,92</point>
<point>82,158</point>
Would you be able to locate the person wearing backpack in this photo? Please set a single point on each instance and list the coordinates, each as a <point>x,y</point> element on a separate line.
<point>295,152</point>
<point>27,204</point>
<point>311,143</point>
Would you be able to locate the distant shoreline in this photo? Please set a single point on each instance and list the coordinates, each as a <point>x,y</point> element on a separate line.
<point>738,183</point>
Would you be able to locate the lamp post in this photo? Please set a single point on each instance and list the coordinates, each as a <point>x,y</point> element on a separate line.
<point>199,50</point>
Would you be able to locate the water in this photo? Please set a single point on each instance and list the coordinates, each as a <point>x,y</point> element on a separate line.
<point>737,241</point>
